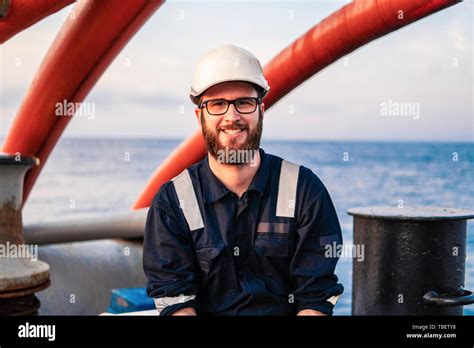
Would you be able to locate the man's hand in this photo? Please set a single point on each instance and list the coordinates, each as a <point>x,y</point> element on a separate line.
<point>188,311</point>
<point>311,312</point>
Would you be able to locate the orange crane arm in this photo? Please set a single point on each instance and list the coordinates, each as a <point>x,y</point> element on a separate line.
<point>83,49</point>
<point>17,15</point>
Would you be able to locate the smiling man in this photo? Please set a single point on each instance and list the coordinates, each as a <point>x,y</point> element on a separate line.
<point>242,232</point>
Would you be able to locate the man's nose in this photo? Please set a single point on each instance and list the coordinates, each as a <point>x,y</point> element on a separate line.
<point>232,114</point>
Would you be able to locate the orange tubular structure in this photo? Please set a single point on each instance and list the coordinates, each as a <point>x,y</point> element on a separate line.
<point>17,15</point>
<point>83,49</point>
<point>347,29</point>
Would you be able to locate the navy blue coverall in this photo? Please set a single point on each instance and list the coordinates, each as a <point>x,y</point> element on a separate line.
<point>245,260</point>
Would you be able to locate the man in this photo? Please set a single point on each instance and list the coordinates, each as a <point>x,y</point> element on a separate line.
<point>242,232</point>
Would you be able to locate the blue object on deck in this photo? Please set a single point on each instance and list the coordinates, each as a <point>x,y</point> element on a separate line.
<point>130,300</point>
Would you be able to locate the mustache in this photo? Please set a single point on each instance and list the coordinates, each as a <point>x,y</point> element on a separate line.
<point>236,125</point>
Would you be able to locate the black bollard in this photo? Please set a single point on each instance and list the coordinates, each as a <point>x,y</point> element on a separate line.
<point>414,261</point>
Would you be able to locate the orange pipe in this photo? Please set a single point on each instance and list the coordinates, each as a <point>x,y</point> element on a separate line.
<point>349,28</point>
<point>190,151</point>
<point>17,15</point>
<point>85,46</point>
<point>342,32</point>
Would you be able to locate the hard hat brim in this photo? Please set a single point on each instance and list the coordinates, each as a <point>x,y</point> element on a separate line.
<point>195,95</point>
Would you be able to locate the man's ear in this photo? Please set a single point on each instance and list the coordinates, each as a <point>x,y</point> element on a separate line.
<point>198,111</point>
<point>262,107</point>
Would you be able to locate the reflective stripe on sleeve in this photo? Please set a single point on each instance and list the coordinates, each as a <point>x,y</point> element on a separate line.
<point>333,299</point>
<point>163,302</point>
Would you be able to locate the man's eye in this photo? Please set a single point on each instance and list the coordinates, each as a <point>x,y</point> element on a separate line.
<point>244,102</point>
<point>218,103</point>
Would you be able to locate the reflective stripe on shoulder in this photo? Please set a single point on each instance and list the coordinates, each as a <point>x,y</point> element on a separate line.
<point>287,189</point>
<point>187,200</point>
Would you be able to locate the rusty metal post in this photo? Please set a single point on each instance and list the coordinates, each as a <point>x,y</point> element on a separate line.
<point>21,273</point>
<point>414,261</point>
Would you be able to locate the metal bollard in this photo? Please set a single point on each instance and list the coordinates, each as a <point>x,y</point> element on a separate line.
<point>21,273</point>
<point>414,261</point>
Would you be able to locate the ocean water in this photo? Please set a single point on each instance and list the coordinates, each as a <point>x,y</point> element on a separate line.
<point>85,176</point>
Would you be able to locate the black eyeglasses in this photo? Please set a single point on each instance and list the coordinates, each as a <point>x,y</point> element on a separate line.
<point>217,107</point>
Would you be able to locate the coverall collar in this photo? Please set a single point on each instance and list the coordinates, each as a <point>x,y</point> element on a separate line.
<point>214,189</point>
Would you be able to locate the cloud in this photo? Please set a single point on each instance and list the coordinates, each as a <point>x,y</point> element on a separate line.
<point>145,91</point>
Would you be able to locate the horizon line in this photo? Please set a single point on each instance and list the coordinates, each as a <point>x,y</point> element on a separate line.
<point>114,137</point>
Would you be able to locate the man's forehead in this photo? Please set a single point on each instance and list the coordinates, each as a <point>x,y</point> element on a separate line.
<point>231,89</point>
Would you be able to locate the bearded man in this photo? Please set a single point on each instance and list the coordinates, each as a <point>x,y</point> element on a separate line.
<point>242,232</point>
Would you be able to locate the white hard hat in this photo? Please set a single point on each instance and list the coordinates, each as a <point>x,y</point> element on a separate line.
<point>224,64</point>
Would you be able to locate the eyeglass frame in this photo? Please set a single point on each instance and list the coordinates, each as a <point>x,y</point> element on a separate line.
<point>229,103</point>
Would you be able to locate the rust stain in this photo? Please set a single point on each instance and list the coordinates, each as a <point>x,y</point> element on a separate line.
<point>13,291</point>
<point>11,226</point>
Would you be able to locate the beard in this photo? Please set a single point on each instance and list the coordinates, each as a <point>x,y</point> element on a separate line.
<point>249,146</point>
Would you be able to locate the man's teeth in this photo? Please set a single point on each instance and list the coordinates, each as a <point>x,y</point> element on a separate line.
<point>232,131</point>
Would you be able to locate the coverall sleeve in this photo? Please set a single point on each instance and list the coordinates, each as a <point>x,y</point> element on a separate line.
<point>312,268</point>
<point>169,260</point>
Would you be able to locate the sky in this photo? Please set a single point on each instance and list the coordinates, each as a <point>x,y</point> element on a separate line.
<point>426,68</point>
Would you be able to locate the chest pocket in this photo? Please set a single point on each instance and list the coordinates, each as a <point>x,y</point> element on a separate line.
<point>216,271</point>
<point>207,257</point>
<point>275,239</point>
